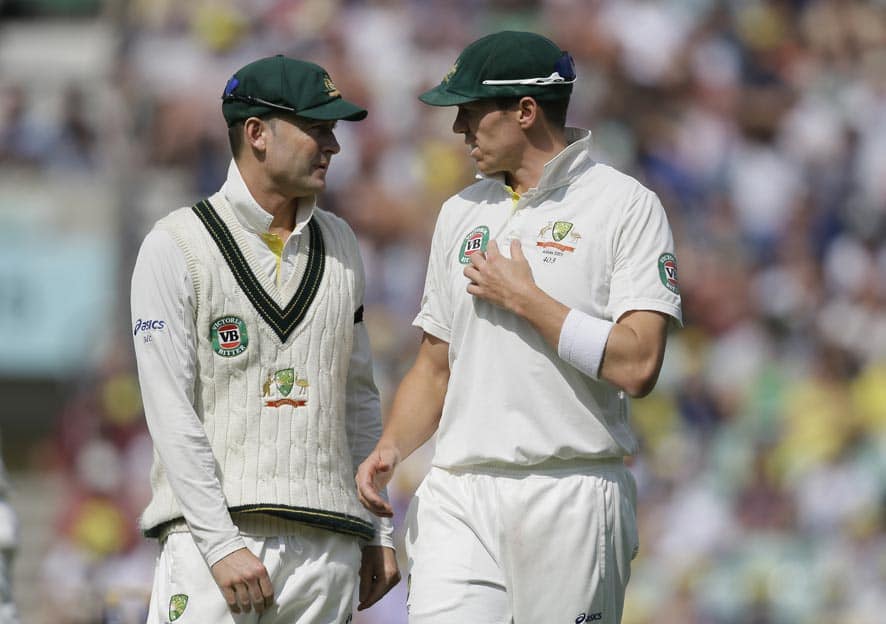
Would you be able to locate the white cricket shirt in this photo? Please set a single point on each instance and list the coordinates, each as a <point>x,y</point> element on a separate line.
<point>597,241</point>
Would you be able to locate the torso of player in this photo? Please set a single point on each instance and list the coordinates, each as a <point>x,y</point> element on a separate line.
<point>512,402</point>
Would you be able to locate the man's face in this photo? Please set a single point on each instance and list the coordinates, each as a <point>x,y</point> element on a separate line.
<point>298,154</point>
<point>493,136</point>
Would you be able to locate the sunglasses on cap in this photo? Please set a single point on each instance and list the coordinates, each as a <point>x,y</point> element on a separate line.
<point>564,73</point>
<point>229,96</point>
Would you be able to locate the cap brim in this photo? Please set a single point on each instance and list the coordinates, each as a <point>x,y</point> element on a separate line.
<point>336,109</point>
<point>440,96</point>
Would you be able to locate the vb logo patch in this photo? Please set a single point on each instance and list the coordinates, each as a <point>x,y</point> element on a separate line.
<point>277,387</point>
<point>177,605</point>
<point>476,240</point>
<point>228,335</point>
<point>667,272</point>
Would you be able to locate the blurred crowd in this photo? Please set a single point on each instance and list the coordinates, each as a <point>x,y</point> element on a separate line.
<point>762,127</point>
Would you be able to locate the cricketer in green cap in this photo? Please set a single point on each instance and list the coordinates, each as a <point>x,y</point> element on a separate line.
<point>278,83</point>
<point>266,278</point>
<point>504,65</point>
<point>543,276</point>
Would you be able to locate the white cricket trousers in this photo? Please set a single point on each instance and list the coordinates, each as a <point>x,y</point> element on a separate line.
<point>314,574</point>
<point>521,547</point>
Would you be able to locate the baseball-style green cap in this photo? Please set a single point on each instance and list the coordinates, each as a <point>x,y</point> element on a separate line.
<point>279,83</point>
<point>506,64</point>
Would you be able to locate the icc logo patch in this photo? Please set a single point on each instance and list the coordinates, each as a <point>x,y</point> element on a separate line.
<point>228,335</point>
<point>667,272</point>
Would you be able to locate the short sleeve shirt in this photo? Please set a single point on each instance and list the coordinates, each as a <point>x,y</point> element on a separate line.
<point>597,241</point>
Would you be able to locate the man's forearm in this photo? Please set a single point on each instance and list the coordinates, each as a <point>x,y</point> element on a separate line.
<point>418,404</point>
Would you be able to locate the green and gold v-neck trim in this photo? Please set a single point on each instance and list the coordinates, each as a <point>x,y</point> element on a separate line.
<point>283,321</point>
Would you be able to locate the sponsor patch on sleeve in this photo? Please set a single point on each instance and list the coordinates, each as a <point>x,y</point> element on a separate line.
<point>147,325</point>
<point>667,272</point>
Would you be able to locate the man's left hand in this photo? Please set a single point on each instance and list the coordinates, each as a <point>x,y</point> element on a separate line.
<point>507,283</point>
<point>378,574</point>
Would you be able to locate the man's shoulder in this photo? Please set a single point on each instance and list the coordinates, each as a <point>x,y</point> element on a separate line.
<point>614,180</point>
<point>325,216</point>
<point>332,222</point>
<point>482,190</point>
<point>184,226</point>
<point>178,217</point>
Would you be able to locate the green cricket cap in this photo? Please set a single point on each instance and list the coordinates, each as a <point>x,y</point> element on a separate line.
<point>506,64</point>
<point>279,83</point>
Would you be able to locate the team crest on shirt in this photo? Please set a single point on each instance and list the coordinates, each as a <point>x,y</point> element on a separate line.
<point>476,240</point>
<point>667,272</point>
<point>177,605</point>
<point>229,336</point>
<point>556,239</point>
<point>277,389</point>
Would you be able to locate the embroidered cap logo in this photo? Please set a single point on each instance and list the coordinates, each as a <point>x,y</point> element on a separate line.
<point>330,87</point>
<point>450,73</point>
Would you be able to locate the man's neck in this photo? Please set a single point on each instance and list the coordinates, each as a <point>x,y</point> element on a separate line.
<point>282,209</point>
<point>283,219</point>
<point>539,152</point>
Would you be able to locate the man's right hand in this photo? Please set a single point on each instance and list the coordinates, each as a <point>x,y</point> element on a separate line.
<point>372,477</point>
<point>244,581</point>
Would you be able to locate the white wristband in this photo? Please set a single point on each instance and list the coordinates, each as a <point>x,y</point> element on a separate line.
<point>583,340</point>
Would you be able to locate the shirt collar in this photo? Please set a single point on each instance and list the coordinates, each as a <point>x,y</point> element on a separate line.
<point>574,159</point>
<point>252,216</point>
<point>563,167</point>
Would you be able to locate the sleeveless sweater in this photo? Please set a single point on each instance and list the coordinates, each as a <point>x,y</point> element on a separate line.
<point>272,365</point>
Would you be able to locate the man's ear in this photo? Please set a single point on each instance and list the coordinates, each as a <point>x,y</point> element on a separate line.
<point>255,133</point>
<point>528,112</point>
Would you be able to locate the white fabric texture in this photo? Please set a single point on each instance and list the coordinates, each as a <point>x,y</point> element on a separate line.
<point>314,574</point>
<point>517,534</point>
<point>595,240</point>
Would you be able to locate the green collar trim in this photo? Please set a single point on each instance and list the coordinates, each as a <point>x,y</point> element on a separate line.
<point>282,321</point>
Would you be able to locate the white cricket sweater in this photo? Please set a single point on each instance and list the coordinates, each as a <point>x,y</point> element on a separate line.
<point>271,372</point>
